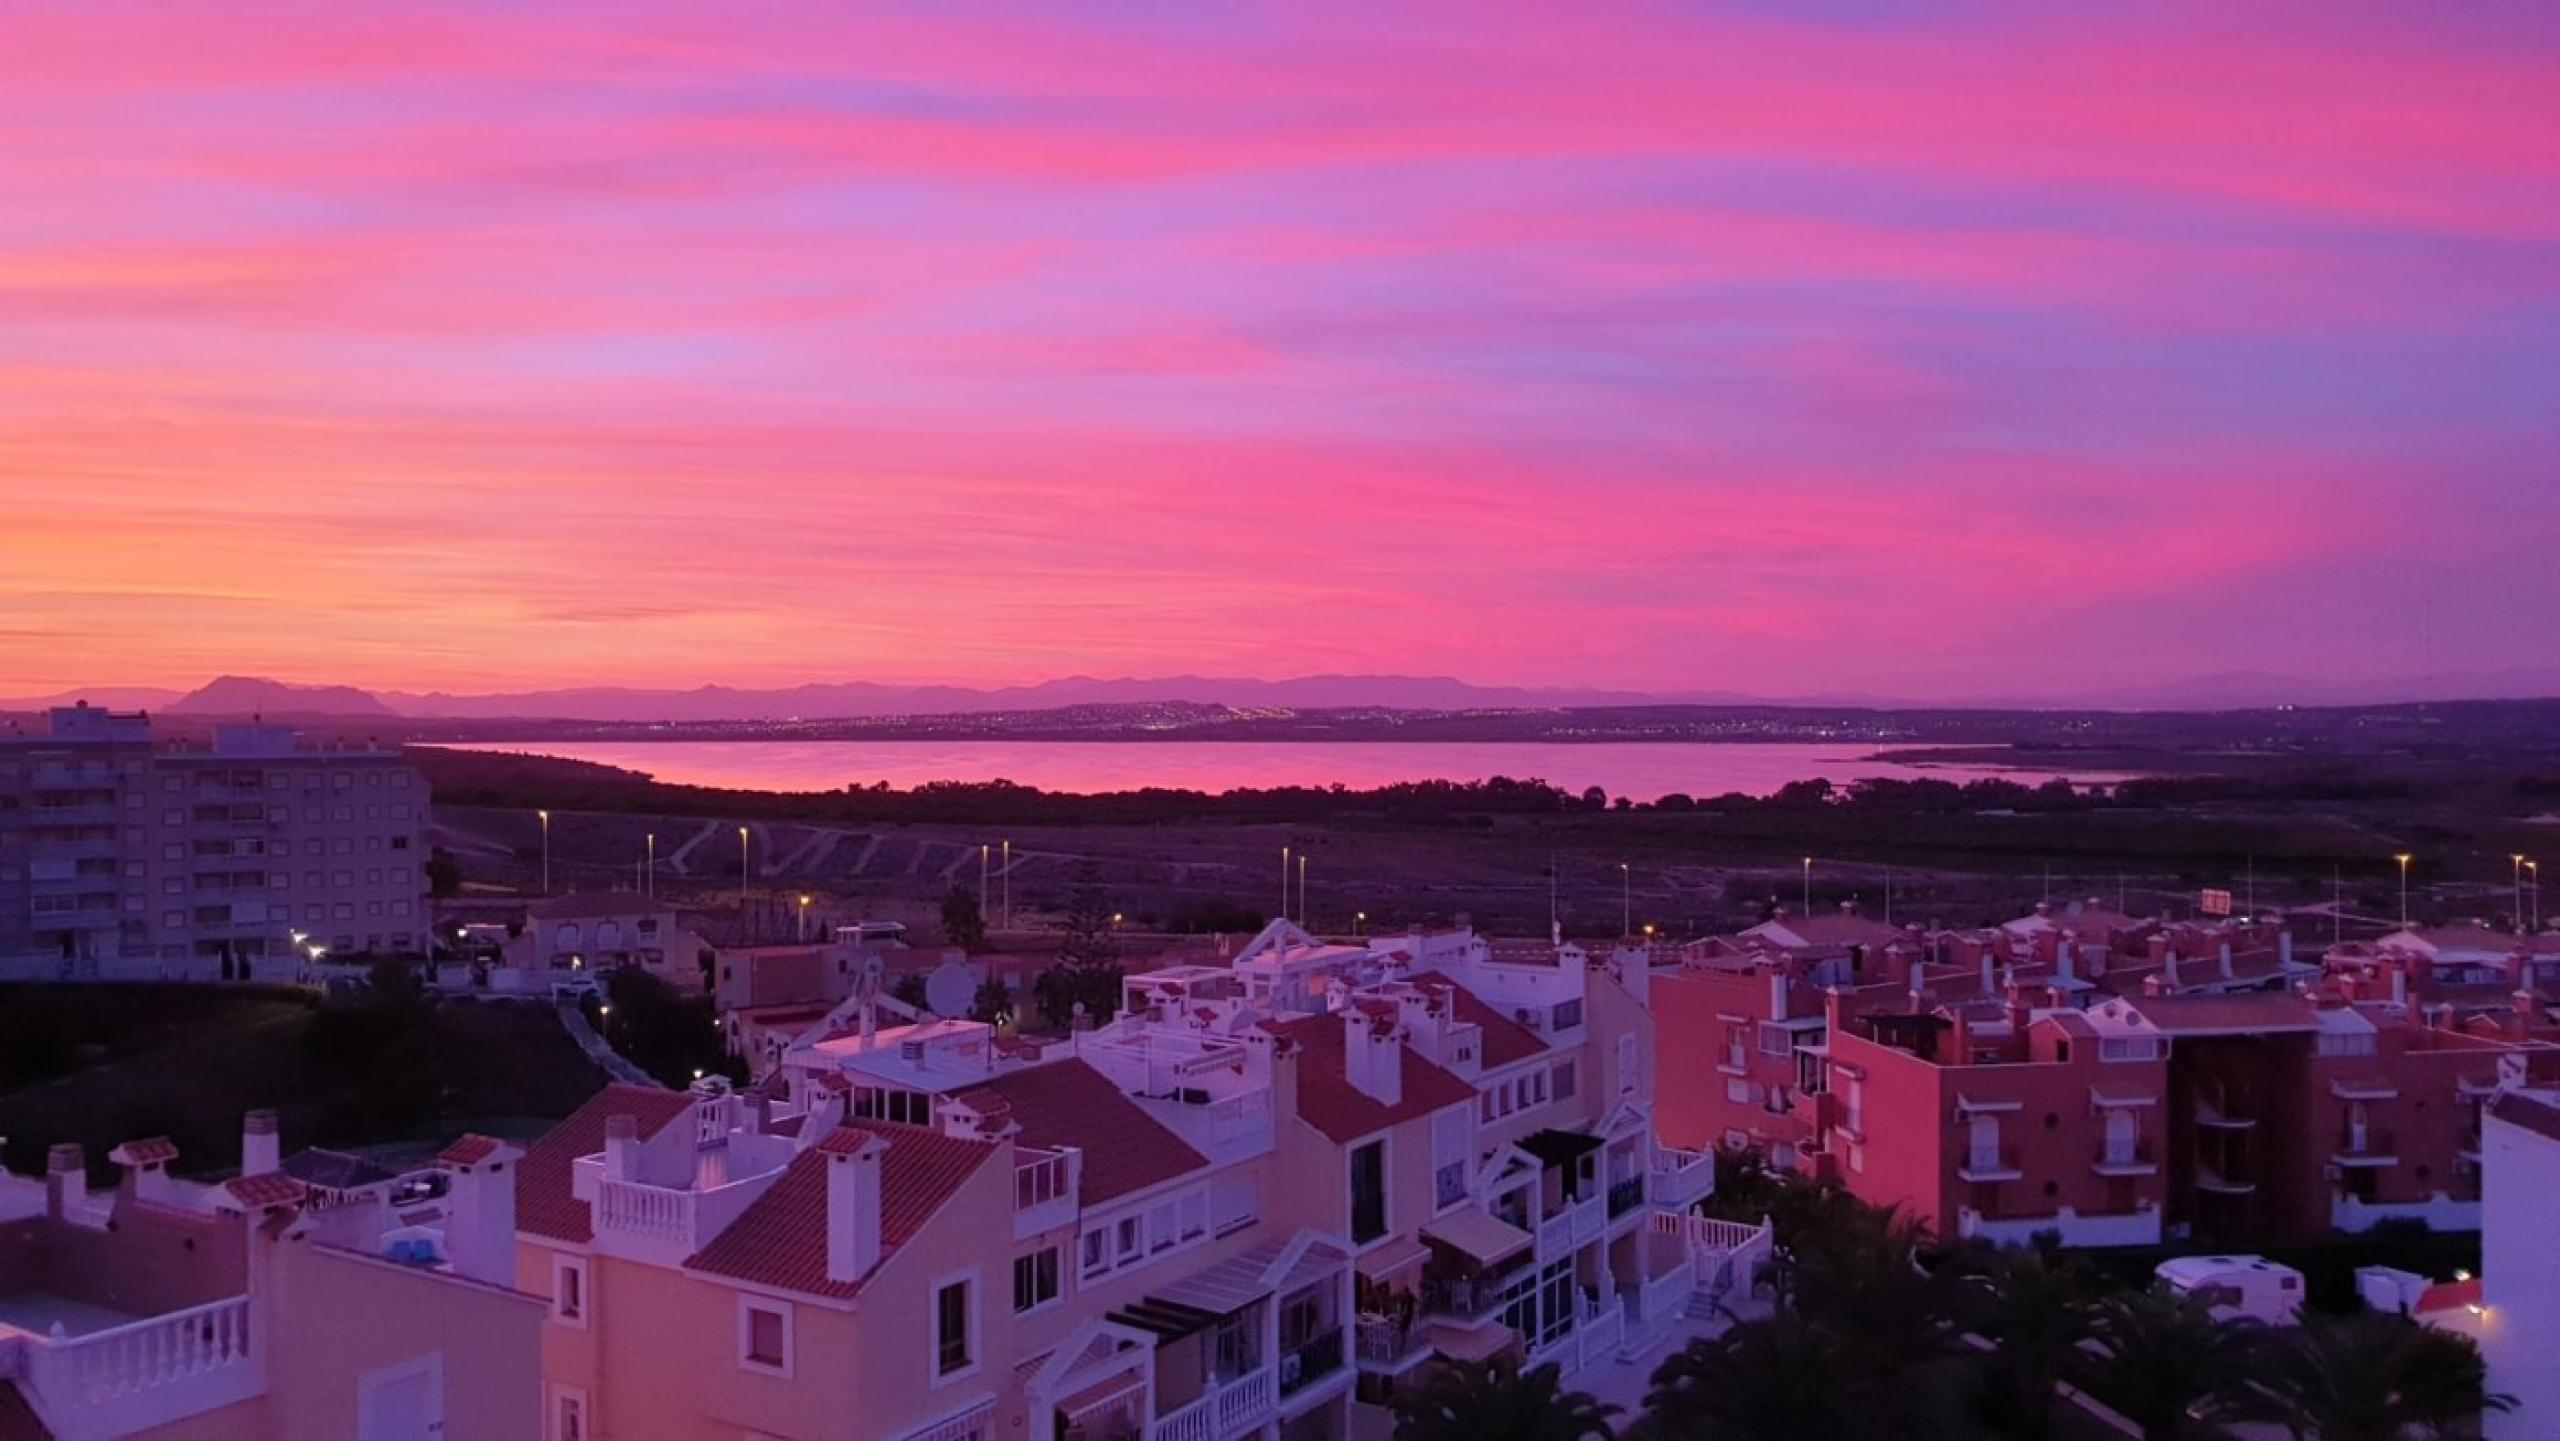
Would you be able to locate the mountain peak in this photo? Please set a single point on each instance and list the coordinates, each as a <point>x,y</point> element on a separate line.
<point>234,695</point>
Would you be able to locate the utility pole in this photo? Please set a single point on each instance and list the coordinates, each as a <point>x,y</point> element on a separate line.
<point>746,871</point>
<point>1626,900</point>
<point>983,851</point>
<point>1808,885</point>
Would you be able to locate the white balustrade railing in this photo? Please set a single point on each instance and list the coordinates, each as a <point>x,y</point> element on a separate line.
<point>1224,1412</point>
<point>1589,1218</point>
<point>975,1424</point>
<point>656,1213</point>
<point>148,1373</point>
<point>1679,1179</point>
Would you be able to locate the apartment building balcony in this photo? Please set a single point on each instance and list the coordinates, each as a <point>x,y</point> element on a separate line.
<point>2366,1148</point>
<point>1578,1224</point>
<point>76,813</point>
<point>2124,1160</point>
<point>2137,1227</point>
<point>1390,1344</point>
<point>665,1224</point>
<point>1625,1196</point>
<point>2216,1182</point>
<point>1309,1362</point>
<point>2215,1113</point>
<point>1226,1410</point>
<point>135,1375</point>
<point>1989,1164</point>
<point>1680,1179</point>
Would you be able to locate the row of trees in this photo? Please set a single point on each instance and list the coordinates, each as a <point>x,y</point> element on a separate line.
<point>1872,1338</point>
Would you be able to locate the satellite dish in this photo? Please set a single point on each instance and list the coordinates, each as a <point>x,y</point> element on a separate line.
<point>949,988</point>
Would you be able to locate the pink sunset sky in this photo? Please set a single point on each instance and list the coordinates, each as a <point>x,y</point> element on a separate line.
<point>1915,348</point>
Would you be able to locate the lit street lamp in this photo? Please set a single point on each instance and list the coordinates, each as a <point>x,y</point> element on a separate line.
<point>1808,885</point>
<point>546,850</point>
<point>2404,858</point>
<point>804,919</point>
<point>2516,864</point>
<point>1626,900</point>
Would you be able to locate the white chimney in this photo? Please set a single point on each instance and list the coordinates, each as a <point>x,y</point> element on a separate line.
<point>66,1179</point>
<point>1372,1058</point>
<point>2063,957</point>
<point>2284,948</point>
<point>480,1209</point>
<point>2226,958</point>
<point>1777,995</point>
<point>853,1203</point>
<point>622,1148</point>
<point>1990,982</point>
<point>261,1144</point>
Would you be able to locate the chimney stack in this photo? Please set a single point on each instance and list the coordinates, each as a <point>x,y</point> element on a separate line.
<point>853,1203</point>
<point>66,1179</point>
<point>480,1209</point>
<point>1372,1058</point>
<point>261,1143</point>
<point>622,1148</point>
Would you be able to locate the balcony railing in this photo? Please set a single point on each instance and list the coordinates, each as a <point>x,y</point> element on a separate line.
<point>1221,1412</point>
<point>1625,1196</point>
<point>146,1374</point>
<point>1306,1364</point>
<point>1680,1179</point>
<point>1990,1164</point>
<point>1385,1342</point>
<point>2373,1148</point>
<point>2123,1160</point>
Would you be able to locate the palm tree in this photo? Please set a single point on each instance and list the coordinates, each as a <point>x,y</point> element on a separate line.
<point>2035,1305</point>
<point>1860,1276</point>
<point>1787,1378</point>
<point>2165,1364</point>
<point>1497,1401</point>
<point>2374,1376</point>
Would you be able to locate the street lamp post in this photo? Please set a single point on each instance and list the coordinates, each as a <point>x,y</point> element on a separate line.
<point>2516,865</point>
<point>1008,885</point>
<point>2533,887</point>
<point>746,872</point>
<point>1808,885</point>
<point>1284,883</point>
<point>804,919</point>
<point>1302,888</point>
<point>651,889</point>
<point>2404,858</point>
<point>1626,900</point>
<point>545,817</point>
<point>984,851</point>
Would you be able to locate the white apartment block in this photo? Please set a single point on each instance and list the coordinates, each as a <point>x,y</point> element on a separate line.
<point>119,851</point>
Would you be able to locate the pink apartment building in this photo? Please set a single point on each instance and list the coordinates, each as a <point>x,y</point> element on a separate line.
<point>2108,1080</point>
<point>263,1307</point>
<point>122,855</point>
<point>1254,1205</point>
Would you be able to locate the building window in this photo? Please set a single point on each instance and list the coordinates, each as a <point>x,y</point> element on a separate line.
<point>569,1291</point>
<point>1035,1279</point>
<point>1568,1014</point>
<point>1369,1192</point>
<point>567,1416</point>
<point>1097,1253</point>
<point>954,1328</point>
<point>1565,1080</point>
<point>764,1337</point>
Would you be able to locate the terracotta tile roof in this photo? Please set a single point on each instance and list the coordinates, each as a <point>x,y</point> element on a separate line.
<point>544,1205</point>
<point>267,1188</point>
<point>781,1240</point>
<point>149,1151</point>
<point>1069,1103</point>
<point>843,1141</point>
<point>1327,1101</point>
<point>469,1150</point>
<point>1505,1040</point>
<point>2258,1012</point>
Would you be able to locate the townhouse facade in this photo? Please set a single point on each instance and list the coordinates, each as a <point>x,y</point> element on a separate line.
<point>263,1307</point>
<point>2108,1080</point>
<point>123,854</point>
<point>1255,1204</point>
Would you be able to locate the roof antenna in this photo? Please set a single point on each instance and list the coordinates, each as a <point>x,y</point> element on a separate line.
<point>1555,923</point>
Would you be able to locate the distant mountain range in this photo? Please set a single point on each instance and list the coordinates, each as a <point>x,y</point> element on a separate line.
<point>252,695</point>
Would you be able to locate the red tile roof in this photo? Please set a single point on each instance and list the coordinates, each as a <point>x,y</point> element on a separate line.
<point>781,1240</point>
<point>149,1151</point>
<point>1327,1100</point>
<point>843,1141</point>
<point>469,1150</point>
<point>2254,1012</point>
<point>1505,1040</point>
<point>1069,1103</point>
<point>267,1188</point>
<point>544,1205</point>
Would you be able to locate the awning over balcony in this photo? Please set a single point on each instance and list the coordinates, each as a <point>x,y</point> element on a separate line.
<point>1478,1235</point>
<point>2113,1098</point>
<point>2363,1088</point>
<point>1988,1104</point>
<point>1392,1257</point>
<point>1558,1148</point>
<point>1167,1320</point>
<point>1471,1343</point>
